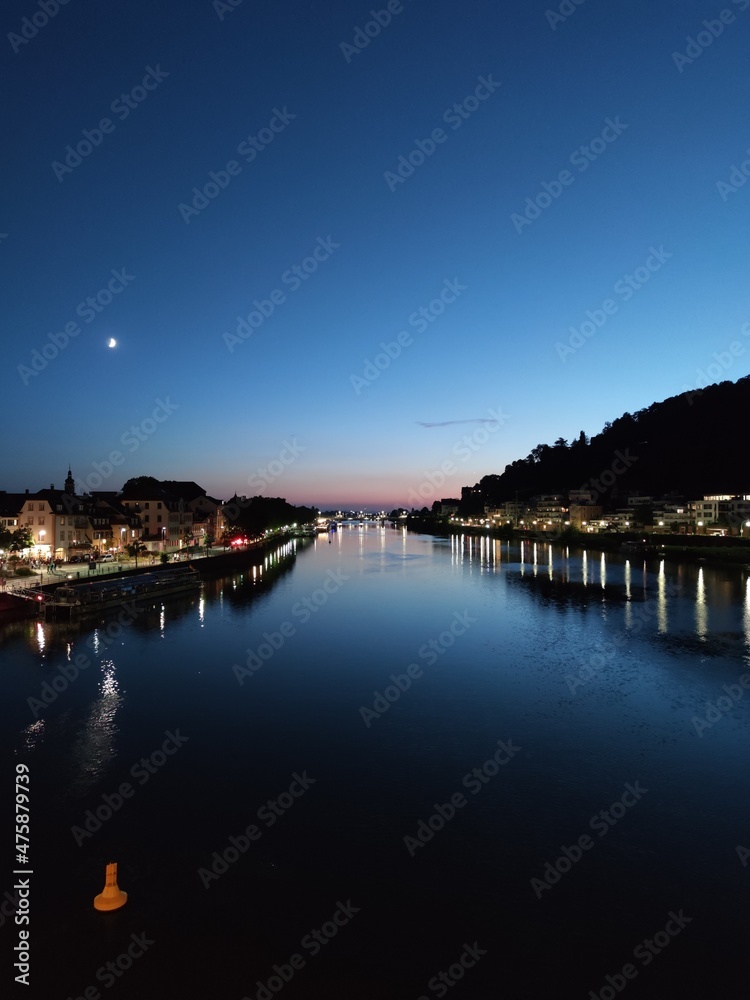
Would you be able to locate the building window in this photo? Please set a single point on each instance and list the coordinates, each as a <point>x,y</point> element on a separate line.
<point>30,507</point>
<point>146,505</point>
<point>158,517</point>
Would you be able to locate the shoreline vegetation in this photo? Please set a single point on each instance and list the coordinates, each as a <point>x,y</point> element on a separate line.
<point>720,552</point>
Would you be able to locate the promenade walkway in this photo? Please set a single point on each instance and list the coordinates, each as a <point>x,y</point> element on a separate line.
<point>80,572</point>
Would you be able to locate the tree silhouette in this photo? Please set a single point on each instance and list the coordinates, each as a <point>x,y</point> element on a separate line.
<point>135,549</point>
<point>685,446</point>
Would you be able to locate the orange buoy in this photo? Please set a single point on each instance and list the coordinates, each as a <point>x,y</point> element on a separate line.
<point>111,897</point>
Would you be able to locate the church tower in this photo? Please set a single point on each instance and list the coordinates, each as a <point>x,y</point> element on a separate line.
<point>70,484</point>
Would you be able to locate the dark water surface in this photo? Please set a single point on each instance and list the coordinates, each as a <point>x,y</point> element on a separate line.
<point>561,710</point>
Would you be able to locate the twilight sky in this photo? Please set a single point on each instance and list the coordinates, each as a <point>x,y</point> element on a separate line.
<point>339,271</point>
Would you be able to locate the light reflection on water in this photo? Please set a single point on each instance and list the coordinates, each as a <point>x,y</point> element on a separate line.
<point>538,614</point>
<point>701,611</point>
<point>33,735</point>
<point>661,608</point>
<point>94,746</point>
<point>662,583</point>
<point>673,600</point>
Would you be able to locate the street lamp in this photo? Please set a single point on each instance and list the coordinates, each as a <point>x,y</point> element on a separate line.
<point>164,538</point>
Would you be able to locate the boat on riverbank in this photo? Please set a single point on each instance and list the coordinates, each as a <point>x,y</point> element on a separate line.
<point>79,599</point>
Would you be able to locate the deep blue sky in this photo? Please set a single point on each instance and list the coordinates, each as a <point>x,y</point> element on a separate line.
<point>495,349</point>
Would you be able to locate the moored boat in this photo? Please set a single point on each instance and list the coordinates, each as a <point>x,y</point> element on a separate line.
<point>82,598</point>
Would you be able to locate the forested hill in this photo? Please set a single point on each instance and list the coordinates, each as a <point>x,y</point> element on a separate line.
<point>690,444</point>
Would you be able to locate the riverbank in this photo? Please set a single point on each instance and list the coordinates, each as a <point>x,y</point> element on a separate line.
<point>719,552</point>
<point>218,563</point>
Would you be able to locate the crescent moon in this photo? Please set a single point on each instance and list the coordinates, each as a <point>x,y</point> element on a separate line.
<point>112,342</point>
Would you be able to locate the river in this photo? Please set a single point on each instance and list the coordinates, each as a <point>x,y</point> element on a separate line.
<point>392,765</point>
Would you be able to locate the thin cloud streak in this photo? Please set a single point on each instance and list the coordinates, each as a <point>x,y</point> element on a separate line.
<point>448,423</point>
